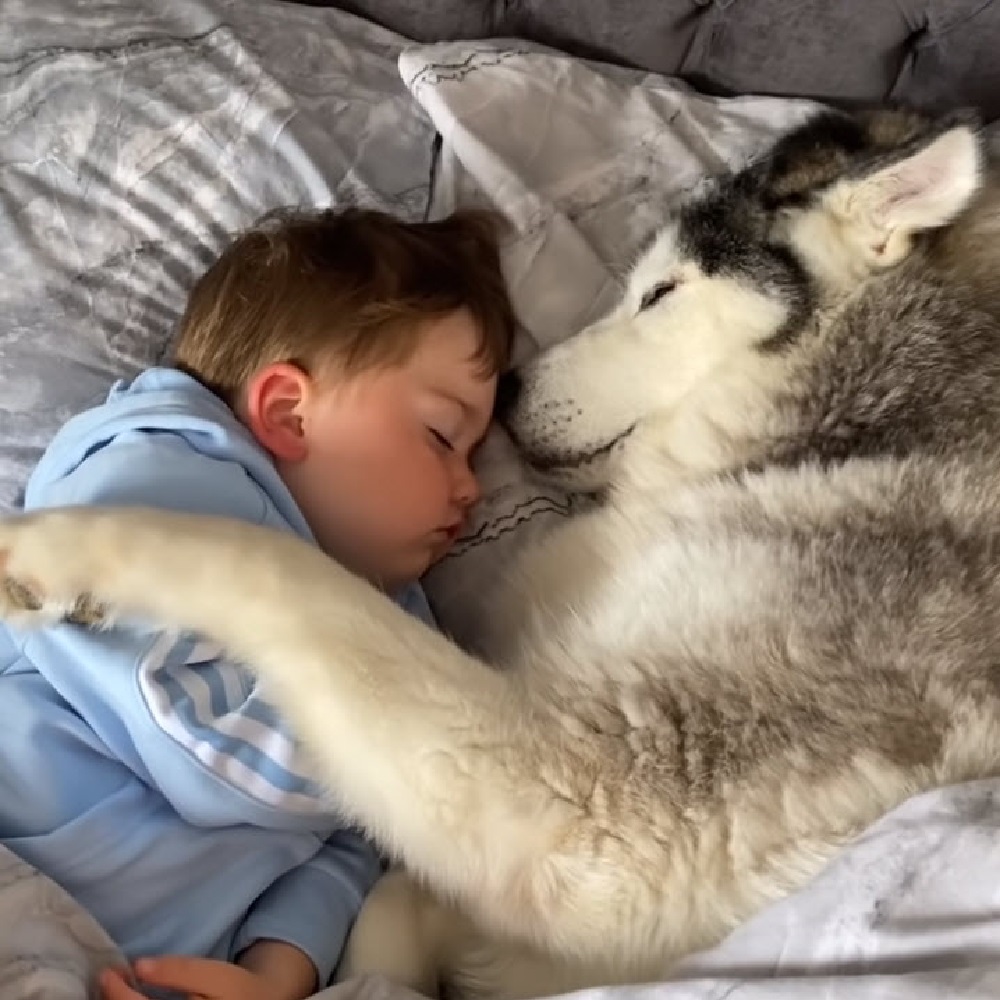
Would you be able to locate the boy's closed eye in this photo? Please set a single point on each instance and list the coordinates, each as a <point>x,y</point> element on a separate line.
<point>444,420</point>
<point>441,439</point>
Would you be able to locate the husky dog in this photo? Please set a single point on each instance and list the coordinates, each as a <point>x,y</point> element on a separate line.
<point>782,620</point>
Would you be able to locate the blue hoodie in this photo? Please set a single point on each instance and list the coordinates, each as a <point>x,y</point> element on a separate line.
<point>140,769</point>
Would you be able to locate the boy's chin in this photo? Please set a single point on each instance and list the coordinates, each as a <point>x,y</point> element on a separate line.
<point>437,554</point>
<point>411,567</point>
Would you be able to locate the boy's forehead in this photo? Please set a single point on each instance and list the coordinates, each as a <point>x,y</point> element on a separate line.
<point>466,382</point>
<point>457,373</point>
<point>455,339</point>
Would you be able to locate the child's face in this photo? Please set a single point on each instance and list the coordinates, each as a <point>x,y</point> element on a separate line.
<point>384,479</point>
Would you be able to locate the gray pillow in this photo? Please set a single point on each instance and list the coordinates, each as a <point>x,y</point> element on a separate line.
<point>125,166</point>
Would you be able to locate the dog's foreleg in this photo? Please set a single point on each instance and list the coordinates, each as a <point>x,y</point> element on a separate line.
<point>412,938</point>
<point>430,750</point>
<point>399,934</point>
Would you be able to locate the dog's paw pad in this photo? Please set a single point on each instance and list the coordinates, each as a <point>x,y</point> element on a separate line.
<point>22,603</point>
<point>18,596</point>
<point>89,613</point>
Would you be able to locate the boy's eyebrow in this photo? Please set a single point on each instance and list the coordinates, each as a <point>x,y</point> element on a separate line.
<point>457,400</point>
<point>468,412</point>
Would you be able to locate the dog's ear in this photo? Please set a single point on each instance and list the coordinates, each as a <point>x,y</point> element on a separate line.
<point>924,189</point>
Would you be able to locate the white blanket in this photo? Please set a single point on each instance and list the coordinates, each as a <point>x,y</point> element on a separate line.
<point>50,949</point>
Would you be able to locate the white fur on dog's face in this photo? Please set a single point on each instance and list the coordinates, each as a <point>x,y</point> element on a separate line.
<point>681,321</point>
<point>674,327</point>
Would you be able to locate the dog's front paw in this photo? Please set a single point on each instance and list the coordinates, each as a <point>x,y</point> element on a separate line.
<point>42,576</point>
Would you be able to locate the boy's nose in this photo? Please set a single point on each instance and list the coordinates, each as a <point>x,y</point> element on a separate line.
<point>467,489</point>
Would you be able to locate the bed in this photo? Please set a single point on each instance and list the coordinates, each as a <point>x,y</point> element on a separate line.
<point>136,136</point>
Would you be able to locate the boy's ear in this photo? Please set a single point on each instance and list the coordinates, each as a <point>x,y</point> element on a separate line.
<point>273,410</point>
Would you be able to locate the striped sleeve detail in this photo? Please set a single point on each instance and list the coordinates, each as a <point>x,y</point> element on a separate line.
<point>210,707</point>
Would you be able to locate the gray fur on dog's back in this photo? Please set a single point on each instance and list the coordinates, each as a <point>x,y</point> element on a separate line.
<point>817,510</point>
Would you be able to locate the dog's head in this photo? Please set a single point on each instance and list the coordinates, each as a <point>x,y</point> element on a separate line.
<point>739,270</point>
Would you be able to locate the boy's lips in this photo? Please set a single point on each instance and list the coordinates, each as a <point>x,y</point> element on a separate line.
<point>450,531</point>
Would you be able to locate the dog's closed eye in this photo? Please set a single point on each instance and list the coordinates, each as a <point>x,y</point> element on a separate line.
<point>659,291</point>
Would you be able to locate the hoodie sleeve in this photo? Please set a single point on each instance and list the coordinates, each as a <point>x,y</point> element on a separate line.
<point>184,718</point>
<point>156,469</point>
<point>314,906</point>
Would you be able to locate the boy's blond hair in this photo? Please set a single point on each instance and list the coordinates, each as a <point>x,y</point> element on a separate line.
<point>351,287</point>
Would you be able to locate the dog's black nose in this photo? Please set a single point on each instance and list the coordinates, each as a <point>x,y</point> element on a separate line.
<point>508,389</point>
